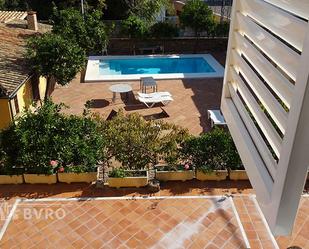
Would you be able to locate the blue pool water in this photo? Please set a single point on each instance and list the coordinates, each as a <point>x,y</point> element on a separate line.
<point>154,66</point>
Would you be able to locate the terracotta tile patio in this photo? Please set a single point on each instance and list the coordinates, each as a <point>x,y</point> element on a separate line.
<point>85,222</point>
<point>191,222</point>
<point>191,97</point>
<point>156,223</point>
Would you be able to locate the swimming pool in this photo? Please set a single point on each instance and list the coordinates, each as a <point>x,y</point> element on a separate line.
<point>102,68</point>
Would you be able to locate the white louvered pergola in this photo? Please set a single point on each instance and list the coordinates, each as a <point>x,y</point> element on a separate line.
<point>265,101</point>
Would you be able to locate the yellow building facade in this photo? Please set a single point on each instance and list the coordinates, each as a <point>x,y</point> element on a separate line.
<point>21,100</point>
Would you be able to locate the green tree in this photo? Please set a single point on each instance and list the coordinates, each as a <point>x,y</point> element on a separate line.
<point>51,55</point>
<point>135,27</point>
<point>89,32</point>
<point>198,16</point>
<point>147,9</point>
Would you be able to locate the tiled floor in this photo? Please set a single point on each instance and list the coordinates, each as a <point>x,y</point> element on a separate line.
<point>155,223</point>
<point>258,236</point>
<point>104,224</point>
<point>192,98</point>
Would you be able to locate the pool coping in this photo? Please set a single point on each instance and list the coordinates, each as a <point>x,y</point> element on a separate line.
<point>92,70</point>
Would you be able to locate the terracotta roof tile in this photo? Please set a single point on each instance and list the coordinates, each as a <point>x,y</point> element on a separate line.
<point>13,70</point>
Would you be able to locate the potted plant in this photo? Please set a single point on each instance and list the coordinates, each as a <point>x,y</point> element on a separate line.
<point>42,174</point>
<point>11,175</point>
<point>174,173</point>
<point>120,177</point>
<point>137,143</point>
<point>211,154</point>
<point>78,173</point>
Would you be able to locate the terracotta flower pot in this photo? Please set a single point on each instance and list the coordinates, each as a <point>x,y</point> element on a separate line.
<point>216,175</point>
<point>77,177</point>
<point>182,175</point>
<point>11,179</point>
<point>40,178</point>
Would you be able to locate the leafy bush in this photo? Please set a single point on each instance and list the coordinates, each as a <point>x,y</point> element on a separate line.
<point>121,173</point>
<point>164,29</point>
<point>135,27</point>
<point>45,140</point>
<point>136,143</point>
<point>118,173</point>
<point>214,150</point>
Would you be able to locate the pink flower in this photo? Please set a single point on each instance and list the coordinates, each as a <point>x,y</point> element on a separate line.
<point>61,169</point>
<point>54,163</point>
<point>187,166</point>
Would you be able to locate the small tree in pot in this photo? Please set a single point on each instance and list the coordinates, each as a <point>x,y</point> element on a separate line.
<point>136,143</point>
<point>211,151</point>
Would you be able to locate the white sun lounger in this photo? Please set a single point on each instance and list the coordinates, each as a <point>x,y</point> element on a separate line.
<point>150,101</point>
<point>216,117</point>
<point>155,94</point>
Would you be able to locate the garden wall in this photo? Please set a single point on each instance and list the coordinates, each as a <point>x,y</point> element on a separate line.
<point>184,45</point>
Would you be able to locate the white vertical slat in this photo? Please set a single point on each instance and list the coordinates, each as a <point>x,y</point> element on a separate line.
<point>293,165</point>
<point>259,177</point>
<point>282,55</point>
<point>298,7</point>
<point>259,142</point>
<point>270,103</point>
<point>263,122</point>
<point>274,78</point>
<point>288,27</point>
